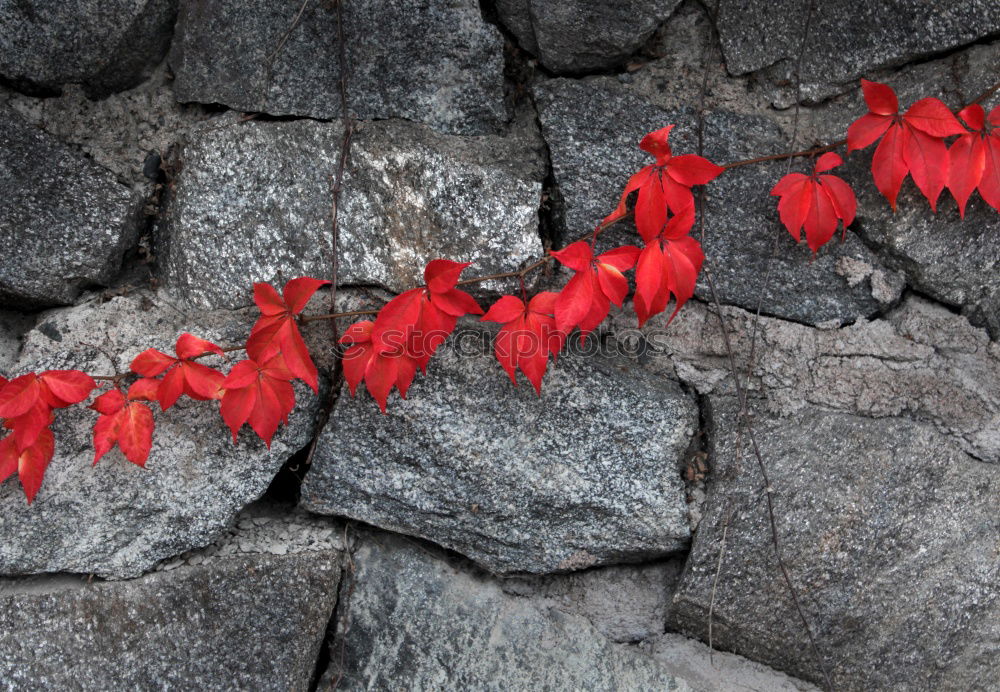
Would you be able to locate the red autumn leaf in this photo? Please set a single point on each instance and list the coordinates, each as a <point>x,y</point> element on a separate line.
<point>277,331</point>
<point>911,143</point>
<point>181,375</point>
<point>667,266</point>
<point>53,388</point>
<point>586,298</point>
<point>528,335</point>
<point>260,394</point>
<point>663,185</point>
<point>381,366</point>
<point>125,421</point>
<point>974,159</point>
<point>818,202</point>
<point>29,461</point>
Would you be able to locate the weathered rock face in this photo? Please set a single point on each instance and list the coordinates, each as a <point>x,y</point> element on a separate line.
<point>126,132</point>
<point>626,603</point>
<point>583,35</point>
<point>437,63</point>
<point>588,474</point>
<point>593,131</point>
<point>887,526</point>
<point>255,620</point>
<point>64,222</point>
<point>410,196</point>
<point>116,519</point>
<point>846,39</point>
<point>922,361</point>
<point>104,45</point>
<point>418,622</point>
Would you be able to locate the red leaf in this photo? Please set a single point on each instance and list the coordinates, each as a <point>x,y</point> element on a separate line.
<point>634,183</point>
<point>989,185</point>
<point>966,164</point>
<point>504,310</point>
<point>441,275</point>
<point>932,117</point>
<point>821,221</point>
<point>268,301</point>
<point>189,346</point>
<point>135,435</point>
<point>146,389</point>
<point>657,143</point>
<point>621,258</point>
<point>575,299</point>
<point>974,116</point>
<point>109,403</point>
<point>29,461</point>
<point>888,165</point>
<point>827,161</point>
<point>67,386</point>
<point>881,99</point>
<point>258,394</point>
<point>866,130</point>
<point>528,336</point>
<point>151,362</point>
<point>691,169</point>
<point>927,159</point>
<point>19,395</point>
<point>842,196</point>
<point>30,424</point>
<point>796,198</point>
<point>577,256</point>
<point>297,292</point>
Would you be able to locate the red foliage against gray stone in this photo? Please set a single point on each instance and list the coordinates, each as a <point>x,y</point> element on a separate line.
<point>387,352</point>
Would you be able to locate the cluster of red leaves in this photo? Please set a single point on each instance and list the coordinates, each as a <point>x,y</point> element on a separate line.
<point>406,332</point>
<point>26,405</point>
<point>818,202</point>
<point>387,353</point>
<point>257,390</point>
<point>912,143</point>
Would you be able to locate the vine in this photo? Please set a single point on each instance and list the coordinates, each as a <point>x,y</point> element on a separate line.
<point>386,353</point>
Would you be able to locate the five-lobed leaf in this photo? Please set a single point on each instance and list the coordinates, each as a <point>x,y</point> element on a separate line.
<point>817,202</point>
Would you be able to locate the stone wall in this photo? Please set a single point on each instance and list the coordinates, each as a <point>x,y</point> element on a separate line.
<point>158,157</point>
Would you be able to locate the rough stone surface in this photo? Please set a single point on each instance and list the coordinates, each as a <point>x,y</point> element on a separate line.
<point>252,621</point>
<point>13,327</point>
<point>104,45</point>
<point>418,622</point>
<point>64,221</point>
<point>588,474</point>
<point>709,671</point>
<point>436,62</point>
<point>117,519</point>
<point>253,203</point>
<point>593,130</point>
<point>846,39</point>
<point>883,517</point>
<point>626,603</point>
<point>128,132</point>
<point>922,362</point>
<point>583,35</point>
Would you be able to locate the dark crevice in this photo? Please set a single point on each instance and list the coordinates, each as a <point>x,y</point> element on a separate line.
<point>286,486</point>
<point>323,657</point>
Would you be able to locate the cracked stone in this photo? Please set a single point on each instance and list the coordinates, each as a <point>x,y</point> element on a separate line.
<point>437,62</point>
<point>588,474</point>
<point>65,223</point>
<point>104,45</point>
<point>252,203</point>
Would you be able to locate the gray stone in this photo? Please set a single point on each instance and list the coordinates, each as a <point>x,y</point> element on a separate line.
<point>13,327</point>
<point>954,260</point>
<point>416,621</point>
<point>583,35</point>
<point>846,39</point>
<point>888,531</point>
<point>104,45</point>
<point>252,203</point>
<point>121,131</point>
<point>593,130</point>
<point>922,362</point>
<point>438,62</point>
<point>626,603</point>
<point>64,221</point>
<point>116,519</point>
<point>587,474</point>
<point>709,671</point>
<point>248,621</point>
